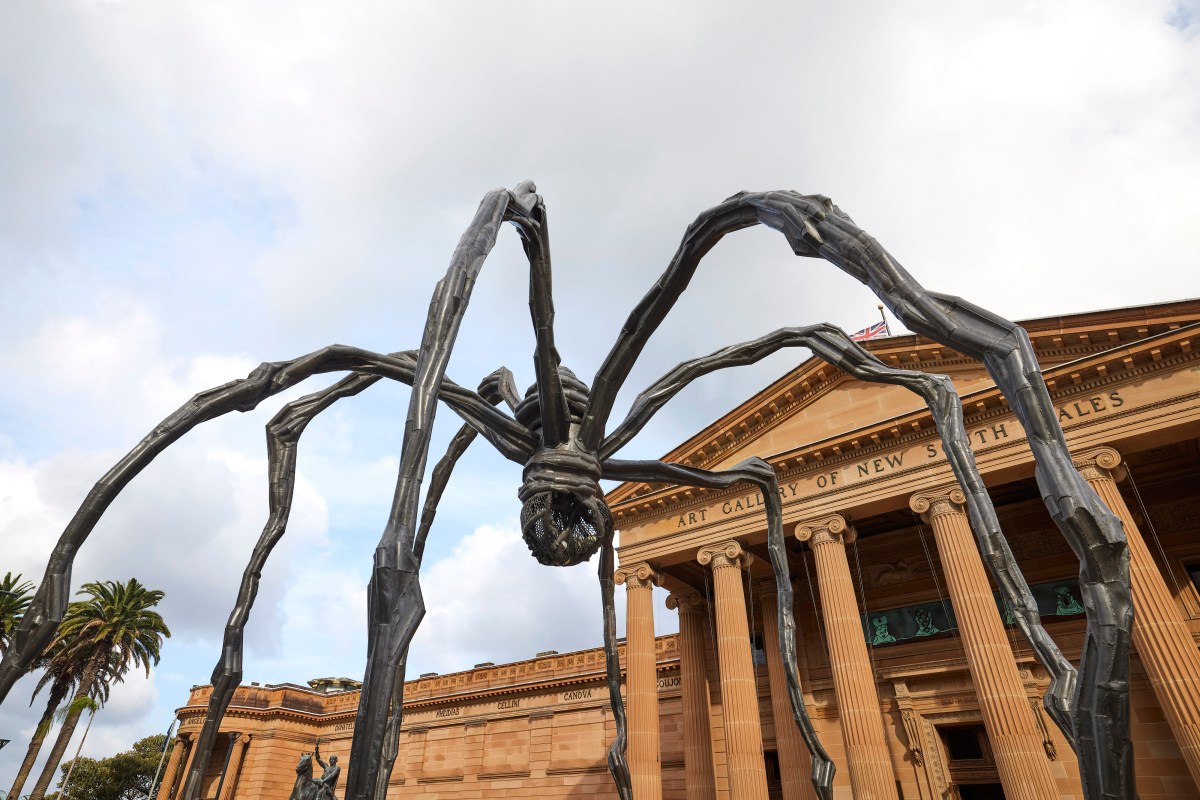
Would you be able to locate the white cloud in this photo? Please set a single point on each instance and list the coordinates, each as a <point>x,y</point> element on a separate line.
<point>188,190</point>
<point>491,601</point>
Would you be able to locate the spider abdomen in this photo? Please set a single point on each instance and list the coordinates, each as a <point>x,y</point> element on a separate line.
<point>562,529</point>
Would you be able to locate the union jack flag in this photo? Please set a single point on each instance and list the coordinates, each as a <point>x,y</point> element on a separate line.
<point>873,332</point>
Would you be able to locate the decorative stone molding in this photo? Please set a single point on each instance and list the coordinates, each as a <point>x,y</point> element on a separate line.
<point>686,601</point>
<point>638,576</point>
<point>1047,743</point>
<point>912,732</point>
<point>1099,464</point>
<point>724,555</point>
<point>936,502</point>
<point>823,530</point>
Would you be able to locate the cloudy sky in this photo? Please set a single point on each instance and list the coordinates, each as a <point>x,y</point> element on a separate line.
<point>189,189</point>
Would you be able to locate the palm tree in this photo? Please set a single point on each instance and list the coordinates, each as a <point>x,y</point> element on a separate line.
<point>15,597</point>
<point>110,631</point>
<point>61,674</point>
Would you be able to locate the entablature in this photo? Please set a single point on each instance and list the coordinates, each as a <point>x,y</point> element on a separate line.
<point>1102,398</point>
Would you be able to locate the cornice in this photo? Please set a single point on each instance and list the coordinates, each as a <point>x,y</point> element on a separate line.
<point>588,665</point>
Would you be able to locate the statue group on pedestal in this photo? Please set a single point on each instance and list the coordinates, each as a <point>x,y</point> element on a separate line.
<point>309,788</point>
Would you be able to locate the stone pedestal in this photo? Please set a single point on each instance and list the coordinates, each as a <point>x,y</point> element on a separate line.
<point>1160,635</point>
<point>1015,739</point>
<point>868,761</point>
<point>743,734</point>
<point>699,779</point>
<point>795,762</point>
<point>641,681</point>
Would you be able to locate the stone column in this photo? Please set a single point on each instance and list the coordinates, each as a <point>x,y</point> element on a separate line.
<point>187,767</point>
<point>795,763</point>
<point>867,757</point>
<point>234,767</point>
<point>641,680</point>
<point>699,779</point>
<point>1016,742</point>
<point>1160,634</point>
<point>739,698</point>
<point>167,781</point>
<point>233,739</point>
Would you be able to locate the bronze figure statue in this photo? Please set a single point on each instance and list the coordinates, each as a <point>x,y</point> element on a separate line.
<point>309,788</point>
<point>559,434</point>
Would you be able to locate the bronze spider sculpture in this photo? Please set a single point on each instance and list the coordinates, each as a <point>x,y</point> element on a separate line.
<point>557,432</point>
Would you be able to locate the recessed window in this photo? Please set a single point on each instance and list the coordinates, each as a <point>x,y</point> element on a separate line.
<point>962,742</point>
<point>758,651</point>
<point>771,760</point>
<point>1193,571</point>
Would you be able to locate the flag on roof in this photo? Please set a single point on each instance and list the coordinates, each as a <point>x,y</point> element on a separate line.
<point>873,332</point>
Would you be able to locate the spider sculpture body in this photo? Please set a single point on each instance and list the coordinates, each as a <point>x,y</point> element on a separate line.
<point>557,432</point>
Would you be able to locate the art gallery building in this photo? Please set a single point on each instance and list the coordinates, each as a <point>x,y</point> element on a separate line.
<point>916,682</point>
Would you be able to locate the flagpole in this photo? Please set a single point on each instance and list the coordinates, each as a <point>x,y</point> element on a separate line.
<point>158,772</point>
<point>886,327</point>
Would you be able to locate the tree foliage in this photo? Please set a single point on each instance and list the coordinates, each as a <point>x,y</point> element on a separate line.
<point>112,629</point>
<point>125,776</point>
<point>15,597</point>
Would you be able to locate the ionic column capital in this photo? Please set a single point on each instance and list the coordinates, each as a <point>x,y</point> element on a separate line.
<point>725,555</point>
<point>933,503</point>
<point>824,530</point>
<point>1099,464</point>
<point>686,601</point>
<point>638,576</point>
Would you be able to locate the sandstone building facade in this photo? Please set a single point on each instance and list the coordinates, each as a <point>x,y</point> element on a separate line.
<point>916,682</point>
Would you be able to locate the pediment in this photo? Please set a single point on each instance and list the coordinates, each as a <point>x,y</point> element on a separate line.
<point>817,403</point>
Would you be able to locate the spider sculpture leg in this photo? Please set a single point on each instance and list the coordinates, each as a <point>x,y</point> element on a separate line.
<point>762,475</point>
<point>815,227</point>
<point>833,345</point>
<point>395,606</point>
<point>618,766</point>
<point>497,387</point>
<point>283,436</point>
<point>50,601</point>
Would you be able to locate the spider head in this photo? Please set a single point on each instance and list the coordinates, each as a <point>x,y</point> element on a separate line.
<point>563,515</point>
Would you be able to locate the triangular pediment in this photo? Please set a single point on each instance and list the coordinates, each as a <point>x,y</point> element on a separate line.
<point>818,409</point>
